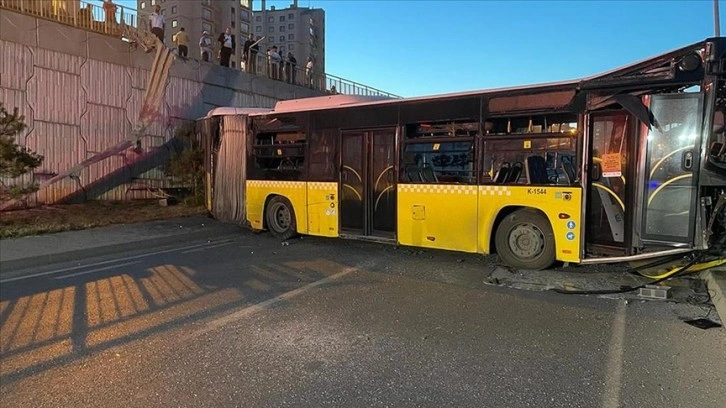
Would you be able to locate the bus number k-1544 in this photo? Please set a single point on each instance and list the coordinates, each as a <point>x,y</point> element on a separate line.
<point>536,191</point>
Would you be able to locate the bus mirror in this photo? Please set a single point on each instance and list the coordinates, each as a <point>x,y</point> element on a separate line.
<point>596,172</point>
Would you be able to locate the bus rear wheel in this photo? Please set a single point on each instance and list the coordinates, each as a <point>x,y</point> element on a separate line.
<point>280,218</point>
<point>524,239</point>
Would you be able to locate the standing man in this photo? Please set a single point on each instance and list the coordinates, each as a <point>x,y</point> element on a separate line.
<point>226,39</point>
<point>309,71</point>
<point>110,10</point>
<point>249,59</point>
<point>275,63</point>
<point>156,23</point>
<point>205,46</point>
<point>181,39</point>
<point>254,51</point>
<point>290,67</point>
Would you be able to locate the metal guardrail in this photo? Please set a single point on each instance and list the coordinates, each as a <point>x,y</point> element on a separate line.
<point>117,20</point>
<point>109,19</point>
<point>301,76</point>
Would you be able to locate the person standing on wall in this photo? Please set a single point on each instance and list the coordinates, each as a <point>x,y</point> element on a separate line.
<point>156,23</point>
<point>110,11</point>
<point>205,46</point>
<point>290,67</point>
<point>248,58</point>
<point>181,39</point>
<point>275,61</point>
<point>309,72</point>
<point>254,50</point>
<point>226,39</point>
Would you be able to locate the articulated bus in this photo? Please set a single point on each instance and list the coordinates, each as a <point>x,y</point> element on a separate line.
<point>622,166</point>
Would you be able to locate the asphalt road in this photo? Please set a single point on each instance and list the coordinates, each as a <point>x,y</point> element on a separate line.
<point>248,321</point>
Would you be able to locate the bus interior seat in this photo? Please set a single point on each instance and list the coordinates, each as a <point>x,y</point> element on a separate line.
<point>569,169</point>
<point>535,168</point>
<point>428,175</point>
<point>413,174</point>
<point>717,149</point>
<point>515,173</point>
<point>287,164</point>
<point>501,176</point>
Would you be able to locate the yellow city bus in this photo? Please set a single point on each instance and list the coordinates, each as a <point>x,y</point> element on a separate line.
<point>622,166</point>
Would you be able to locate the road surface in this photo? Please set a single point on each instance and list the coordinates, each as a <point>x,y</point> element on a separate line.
<point>245,320</point>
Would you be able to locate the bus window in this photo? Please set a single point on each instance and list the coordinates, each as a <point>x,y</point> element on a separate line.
<point>322,146</point>
<point>532,149</point>
<point>670,189</point>
<point>439,153</point>
<point>451,162</point>
<point>280,155</point>
<point>529,160</point>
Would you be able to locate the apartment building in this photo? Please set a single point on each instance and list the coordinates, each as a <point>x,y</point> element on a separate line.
<point>293,29</point>
<point>197,16</point>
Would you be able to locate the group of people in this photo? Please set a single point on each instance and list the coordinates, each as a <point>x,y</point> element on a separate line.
<point>276,65</point>
<point>181,39</point>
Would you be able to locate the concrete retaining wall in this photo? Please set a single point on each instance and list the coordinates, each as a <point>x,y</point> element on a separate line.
<point>81,92</point>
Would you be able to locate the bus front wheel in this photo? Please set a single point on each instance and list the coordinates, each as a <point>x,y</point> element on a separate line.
<point>280,218</point>
<point>524,239</point>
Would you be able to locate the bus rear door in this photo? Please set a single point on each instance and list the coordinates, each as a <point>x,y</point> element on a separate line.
<point>367,183</point>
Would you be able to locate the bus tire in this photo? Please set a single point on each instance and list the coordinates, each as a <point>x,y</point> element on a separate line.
<point>280,218</point>
<point>524,239</point>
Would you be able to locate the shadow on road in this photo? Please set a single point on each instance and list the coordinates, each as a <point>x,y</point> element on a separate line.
<point>46,322</point>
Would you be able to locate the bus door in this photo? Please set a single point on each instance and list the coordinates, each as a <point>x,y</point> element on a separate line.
<point>669,198</point>
<point>367,183</point>
<point>610,204</point>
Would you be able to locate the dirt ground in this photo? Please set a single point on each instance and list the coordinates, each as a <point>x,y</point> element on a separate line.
<point>47,219</point>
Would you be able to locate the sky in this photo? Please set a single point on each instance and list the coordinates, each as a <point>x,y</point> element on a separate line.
<point>426,47</point>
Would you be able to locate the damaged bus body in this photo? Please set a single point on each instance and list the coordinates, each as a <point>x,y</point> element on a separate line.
<point>622,166</point>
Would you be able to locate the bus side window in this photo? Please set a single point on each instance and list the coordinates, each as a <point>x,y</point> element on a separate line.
<point>283,151</point>
<point>439,152</point>
<point>503,162</point>
<point>518,166</point>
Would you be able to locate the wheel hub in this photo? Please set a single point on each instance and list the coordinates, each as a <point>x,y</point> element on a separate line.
<point>281,217</point>
<point>526,241</point>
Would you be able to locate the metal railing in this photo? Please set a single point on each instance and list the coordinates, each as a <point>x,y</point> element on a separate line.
<point>298,74</point>
<point>109,19</point>
<point>117,20</point>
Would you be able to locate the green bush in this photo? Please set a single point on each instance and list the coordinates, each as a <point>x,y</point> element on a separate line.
<point>186,164</point>
<point>15,160</point>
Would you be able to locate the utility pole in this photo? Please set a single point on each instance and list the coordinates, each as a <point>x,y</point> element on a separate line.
<point>716,23</point>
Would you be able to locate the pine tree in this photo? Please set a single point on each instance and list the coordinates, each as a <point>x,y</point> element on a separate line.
<point>186,164</point>
<point>15,160</point>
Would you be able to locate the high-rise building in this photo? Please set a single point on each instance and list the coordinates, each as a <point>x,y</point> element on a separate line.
<point>197,16</point>
<point>293,29</point>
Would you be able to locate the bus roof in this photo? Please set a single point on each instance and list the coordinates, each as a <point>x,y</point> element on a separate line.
<point>345,101</point>
<point>226,110</point>
<point>327,101</point>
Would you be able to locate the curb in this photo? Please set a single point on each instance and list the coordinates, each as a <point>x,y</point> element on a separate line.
<point>716,283</point>
<point>15,267</point>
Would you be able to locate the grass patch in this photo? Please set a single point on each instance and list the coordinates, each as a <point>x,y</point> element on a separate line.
<point>92,214</point>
